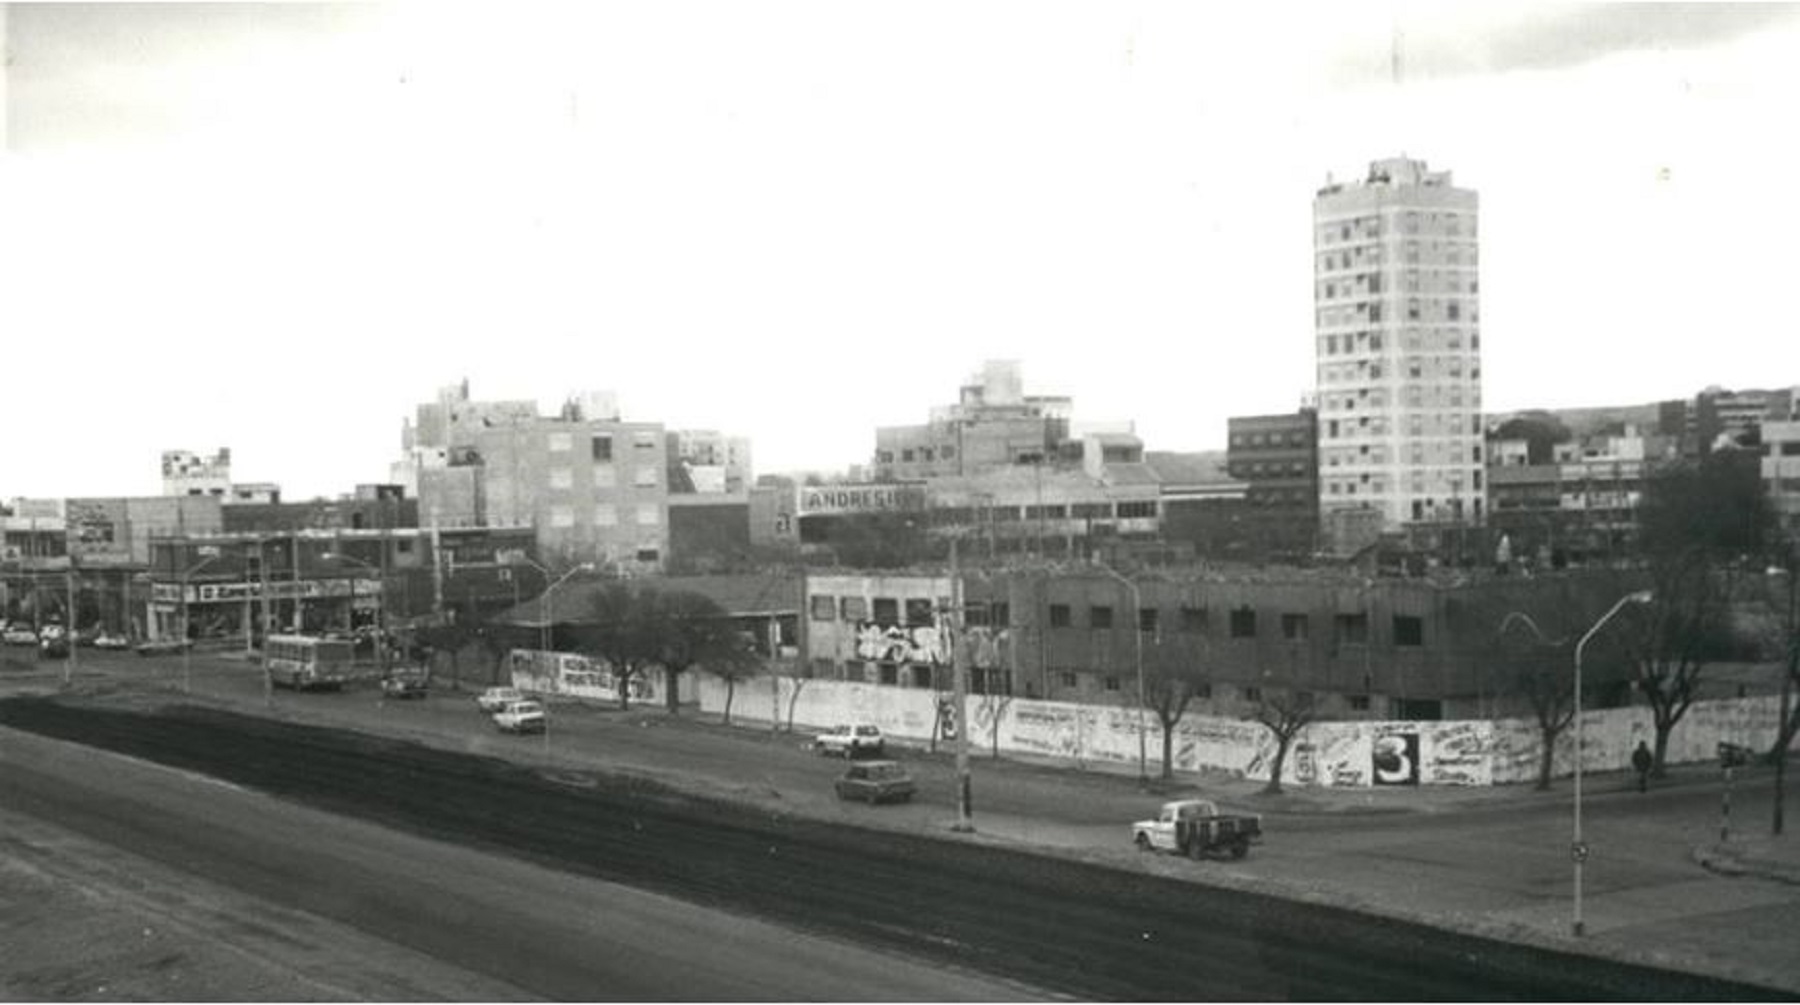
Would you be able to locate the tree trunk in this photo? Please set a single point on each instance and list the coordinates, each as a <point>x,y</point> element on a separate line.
<point>624,684</point>
<point>672,684</point>
<point>1281,746</point>
<point>730,691</point>
<point>1547,762</point>
<point>1168,738</point>
<point>1663,729</point>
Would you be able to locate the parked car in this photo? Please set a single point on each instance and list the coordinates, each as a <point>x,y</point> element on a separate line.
<point>521,717</point>
<point>496,698</point>
<point>20,635</point>
<point>1194,827</point>
<point>162,647</point>
<point>106,641</point>
<point>54,647</point>
<point>850,741</point>
<point>876,782</point>
<point>405,685</point>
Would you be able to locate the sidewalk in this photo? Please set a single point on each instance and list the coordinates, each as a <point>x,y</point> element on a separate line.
<point>1764,857</point>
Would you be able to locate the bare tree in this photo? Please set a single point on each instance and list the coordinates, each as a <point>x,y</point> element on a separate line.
<point>696,631</point>
<point>1697,522</point>
<point>1284,713</point>
<point>1168,695</point>
<point>732,671</point>
<point>627,632</point>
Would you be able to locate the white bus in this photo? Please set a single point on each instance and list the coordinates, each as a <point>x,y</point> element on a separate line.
<point>303,661</point>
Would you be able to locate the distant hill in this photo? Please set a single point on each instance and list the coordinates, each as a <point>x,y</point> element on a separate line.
<point>1588,421</point>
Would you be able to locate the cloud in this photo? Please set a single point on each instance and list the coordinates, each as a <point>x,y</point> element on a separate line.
<point>1441,43</point>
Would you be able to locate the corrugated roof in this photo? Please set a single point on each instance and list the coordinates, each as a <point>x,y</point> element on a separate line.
<point>766,593</point>
<point>1193,468</point>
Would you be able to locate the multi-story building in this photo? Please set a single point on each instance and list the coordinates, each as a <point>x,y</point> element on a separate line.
<point>1781,473</point>
<point>595,490</point>
<point>1398,342</point>
<point>993,425</point>
<point>1277,456</point>
<point>1580,506</point>
<point>186,473</point>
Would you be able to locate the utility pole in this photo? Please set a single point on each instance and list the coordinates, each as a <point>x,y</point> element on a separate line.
<point>1782,739</point>
<point>960,696</point>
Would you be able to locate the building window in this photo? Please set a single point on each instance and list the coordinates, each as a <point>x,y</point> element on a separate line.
<point>1067,679</point>
<point>887,611</point>
<point>1408,630</point>
<point>1293,627</point>
<point>643,439</point>
<point>824,607</point>
<point>918,612</point>
<point>648,554</point>
<point>1100,616</point>
<point>560,442</point>
<point>1112,682</point>
<point>606,515</point>
<point>1202,689</point>
<point>1059,615</point>
<point>1137,510</point>
<point>906,456</point>
<point>1352,629</point>
<point>1359,703</point>
<point>606,477</point>
<point>562,478</point>
<point>644,477</point>
<point>1253,693</point>
<point>601,445</point>
<point>890,674</point>
<point>1243,623</point>
<point>649,514</point>
<point>1147,619</point>
<point>854,608</point>
<point>562,516</point>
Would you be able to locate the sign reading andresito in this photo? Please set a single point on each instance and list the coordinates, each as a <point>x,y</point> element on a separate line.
<point>822,499</point>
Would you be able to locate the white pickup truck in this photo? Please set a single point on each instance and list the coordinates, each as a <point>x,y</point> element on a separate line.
<point>850,741</point>
<point>1194,827</point>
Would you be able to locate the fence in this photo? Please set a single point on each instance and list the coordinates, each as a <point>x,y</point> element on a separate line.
<point>1360,753</point>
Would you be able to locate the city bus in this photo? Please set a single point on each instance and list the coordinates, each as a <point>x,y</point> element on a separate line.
<point>304,661</point>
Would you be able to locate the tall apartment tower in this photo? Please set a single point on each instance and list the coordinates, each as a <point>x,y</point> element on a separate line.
<point>1398,316</point>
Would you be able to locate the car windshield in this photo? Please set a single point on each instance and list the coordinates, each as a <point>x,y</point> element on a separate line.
<point>885,771</point>
<point>865,731</point>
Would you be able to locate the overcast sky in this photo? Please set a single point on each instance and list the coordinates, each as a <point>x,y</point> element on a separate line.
<point>278,228</point>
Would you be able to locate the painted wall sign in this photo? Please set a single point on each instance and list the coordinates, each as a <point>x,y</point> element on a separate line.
<point>825,499</point>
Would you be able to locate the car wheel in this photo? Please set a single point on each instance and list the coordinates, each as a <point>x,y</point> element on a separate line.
<point>1197,849</point>
<point>874,798</point>
<point>1240,848</point>
<point>1142,841</point>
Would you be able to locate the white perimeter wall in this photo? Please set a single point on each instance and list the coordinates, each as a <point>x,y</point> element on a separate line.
<point>1325,753</point>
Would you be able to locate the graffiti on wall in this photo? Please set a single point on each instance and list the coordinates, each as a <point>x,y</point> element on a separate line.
<point>1395,759</point>
<point>1455,753</point>
<point>894,644</point>
<point>574,676</point>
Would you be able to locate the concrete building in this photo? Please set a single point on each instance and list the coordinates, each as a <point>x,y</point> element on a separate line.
<point>1583,505</point>
<point>994,424</point>
<point>1781,473</point>
<point>1357,648</point>
<point>1398,343</point>
<point>595,490</point>
<point>1277,456</point>
<point>186,473</point>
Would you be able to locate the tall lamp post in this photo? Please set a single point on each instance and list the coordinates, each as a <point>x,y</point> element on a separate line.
<point>381,606</point>
<point>1782,740</point>
<point>187,648</point>
<point>1137,642</point>
<point>1578,850</point>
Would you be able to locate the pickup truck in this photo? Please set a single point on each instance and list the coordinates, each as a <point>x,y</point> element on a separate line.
<point>1194,827</point>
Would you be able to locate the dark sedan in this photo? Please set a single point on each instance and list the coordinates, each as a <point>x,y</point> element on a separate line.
<point>876,782</point>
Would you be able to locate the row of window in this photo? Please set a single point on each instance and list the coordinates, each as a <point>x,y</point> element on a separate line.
<point>605,477</point>
<point>607,515</point>
<point>919,455</point>
<point>1295,437</point>
<point>1242,622</point>
<point>1411,339</point>
<point>600,445</point>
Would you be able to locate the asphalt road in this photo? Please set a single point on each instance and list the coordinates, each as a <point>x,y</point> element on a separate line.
<point>1079,929</point>
<point>544,932</point>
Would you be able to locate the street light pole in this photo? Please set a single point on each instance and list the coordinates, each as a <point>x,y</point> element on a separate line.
<point>1578,850</point>
<point>1782,740</point>
<point>959,691</point>
<point>1137,640</point>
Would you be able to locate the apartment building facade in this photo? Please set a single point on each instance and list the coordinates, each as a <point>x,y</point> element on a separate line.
<point>1398,344</point>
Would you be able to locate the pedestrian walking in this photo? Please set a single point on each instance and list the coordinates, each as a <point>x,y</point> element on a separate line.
<point>1641,760</point>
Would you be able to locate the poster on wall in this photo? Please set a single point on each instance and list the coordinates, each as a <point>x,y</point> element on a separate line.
<point>1396,759</point>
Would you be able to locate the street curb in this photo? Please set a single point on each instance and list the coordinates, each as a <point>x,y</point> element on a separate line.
<point>1727,861</point>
